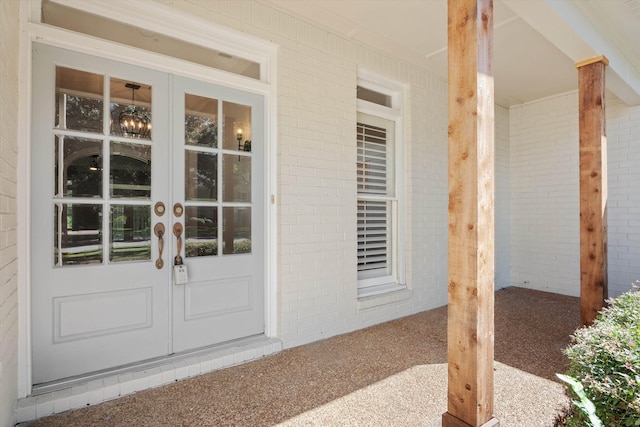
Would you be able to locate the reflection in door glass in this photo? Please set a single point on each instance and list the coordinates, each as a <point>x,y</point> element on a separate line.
<point>236,233</point>
<point>130,170</point>
<point>201,173</point>
<point>77,234</point>
<point>237,178</point>
<point>79,100</point>
<point>130,233</point>
<point>201,116</point>
<point>78,167</point>
<point>237,126</point>
<point>201,223</point>
<point>130,106</point>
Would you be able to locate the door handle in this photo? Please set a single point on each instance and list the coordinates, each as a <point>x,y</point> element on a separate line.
<point>158,230</point>
<point>177,231</point>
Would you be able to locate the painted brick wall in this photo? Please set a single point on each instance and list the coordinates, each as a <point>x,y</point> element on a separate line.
<point>502,198</point>
<point>545,239</point>
<point>317,75</point>
<point>545,235</point>
<point>623,138</point>
<point>9,14</point>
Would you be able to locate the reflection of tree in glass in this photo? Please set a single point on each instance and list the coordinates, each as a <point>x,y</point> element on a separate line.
<point>242,180</point>
<point>202,174</point>
<point>83,114</point>
<point>200,131</point>
<point>128,171</point>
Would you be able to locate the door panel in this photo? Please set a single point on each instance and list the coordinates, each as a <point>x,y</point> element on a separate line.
<point>223,213</point>
<point>97,299</point>
<point>114,148</point>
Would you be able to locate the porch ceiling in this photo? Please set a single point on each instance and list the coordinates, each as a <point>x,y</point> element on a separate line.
<point>536,42</point>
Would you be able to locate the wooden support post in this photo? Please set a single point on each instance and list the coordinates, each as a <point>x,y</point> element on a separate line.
<point>471,215</point>
<point>593,188</point>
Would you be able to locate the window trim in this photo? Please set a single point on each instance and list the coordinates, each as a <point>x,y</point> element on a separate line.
<point>397,279</point>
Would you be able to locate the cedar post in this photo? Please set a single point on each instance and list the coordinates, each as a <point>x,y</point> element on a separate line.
<point>471,215</point>
<point>593,188</point>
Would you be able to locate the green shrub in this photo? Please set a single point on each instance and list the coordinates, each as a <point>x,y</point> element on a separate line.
<point>605,359</point>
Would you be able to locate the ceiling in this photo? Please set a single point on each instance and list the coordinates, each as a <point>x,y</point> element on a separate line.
<point>529,63</point>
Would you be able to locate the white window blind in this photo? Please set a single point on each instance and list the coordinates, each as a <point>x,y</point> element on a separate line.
<point>372,159</point>
<point>373,238</point>
<point>376,201</point>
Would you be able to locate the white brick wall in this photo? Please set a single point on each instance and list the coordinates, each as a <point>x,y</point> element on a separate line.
<point>545,239</point>
<point>9,14</point>
<point>317,75</point>
<point>623,138</point>
<point>545,235</point>
<point>502,199</point>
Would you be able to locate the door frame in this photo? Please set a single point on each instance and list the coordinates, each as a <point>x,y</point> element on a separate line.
<point>166,20</point>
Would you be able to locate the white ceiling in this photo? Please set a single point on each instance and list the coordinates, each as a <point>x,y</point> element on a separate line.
<point>527,64</point>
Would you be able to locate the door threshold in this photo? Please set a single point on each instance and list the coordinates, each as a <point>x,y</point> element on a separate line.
<point>86,390</point>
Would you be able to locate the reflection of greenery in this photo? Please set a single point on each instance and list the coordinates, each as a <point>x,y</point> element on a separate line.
<point>83,114</point>
<point>84,257</point>
<point>201,175</point>
<point>242,232</point>
<point>131,253</point>
<point>201,131</point>
<point>202,230</point>
<point>131,171</point>
<point>193,249</point>
<point>242,247</point>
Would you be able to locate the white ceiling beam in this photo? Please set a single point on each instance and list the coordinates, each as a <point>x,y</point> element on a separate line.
<point>563,24</point>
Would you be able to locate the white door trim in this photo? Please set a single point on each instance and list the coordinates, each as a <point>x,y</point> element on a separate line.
<point>162,17</point>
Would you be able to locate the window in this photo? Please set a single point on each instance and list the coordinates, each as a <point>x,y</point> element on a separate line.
<point>379,155</point>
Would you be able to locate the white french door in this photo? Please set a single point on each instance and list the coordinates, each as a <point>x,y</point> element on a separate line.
<point>133,171</point>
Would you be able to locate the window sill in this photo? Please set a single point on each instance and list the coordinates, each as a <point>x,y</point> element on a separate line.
<point>383,294</point>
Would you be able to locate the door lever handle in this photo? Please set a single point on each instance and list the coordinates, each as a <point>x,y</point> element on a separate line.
<point>158,230</point>
<point>177,231</point>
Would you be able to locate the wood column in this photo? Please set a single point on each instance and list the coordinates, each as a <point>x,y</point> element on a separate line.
<point>471,215</point>
<point>593,187</point>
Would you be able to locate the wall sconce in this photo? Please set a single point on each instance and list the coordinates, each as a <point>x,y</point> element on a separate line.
<point>242,146</point>
<point>95,163</point>
<point>239,138</point>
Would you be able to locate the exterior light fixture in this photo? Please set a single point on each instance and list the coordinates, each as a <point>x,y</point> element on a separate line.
<point>133,122</point>
<point>242,146</point>
<point>94,163</point>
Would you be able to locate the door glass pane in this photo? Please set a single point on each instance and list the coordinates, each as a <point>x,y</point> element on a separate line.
<point>201,170</point>
<point>200,121</point>
<point>78,167</point>
<point>130,170</point>
<point>130,233</point>
<point>79,100</point>
<point>237,178</point>
<point>237,126</point>
<point>77,234</point>
<point>130,109</point>
<point>201,231</point>
<point>236,233</point>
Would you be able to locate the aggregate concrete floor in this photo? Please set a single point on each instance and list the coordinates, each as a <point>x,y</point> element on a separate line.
<point>393,374</point>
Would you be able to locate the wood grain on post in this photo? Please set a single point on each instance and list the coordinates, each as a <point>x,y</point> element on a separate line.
<point>471,215</point>
<point>593,187</point>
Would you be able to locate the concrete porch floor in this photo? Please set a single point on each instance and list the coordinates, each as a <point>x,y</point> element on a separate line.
<point>393,374</point>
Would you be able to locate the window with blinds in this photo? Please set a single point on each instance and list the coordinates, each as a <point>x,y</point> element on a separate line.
<point>376,198</point>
